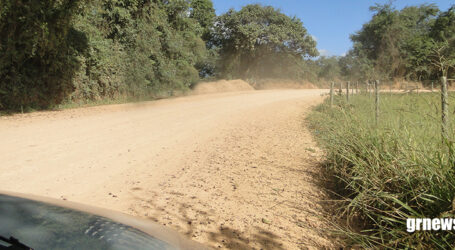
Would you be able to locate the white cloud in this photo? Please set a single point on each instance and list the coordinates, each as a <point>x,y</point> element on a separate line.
<point>314,38</point>
<point>323,52</point>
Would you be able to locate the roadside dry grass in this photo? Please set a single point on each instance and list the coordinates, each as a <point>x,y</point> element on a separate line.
<point>392,171</point>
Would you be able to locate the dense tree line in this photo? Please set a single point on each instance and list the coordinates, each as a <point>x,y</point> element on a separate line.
<point>138,47</point>
<point>415,43</point>
<point>38,49</point>
<point>56,50</point>
<point>53,51</point>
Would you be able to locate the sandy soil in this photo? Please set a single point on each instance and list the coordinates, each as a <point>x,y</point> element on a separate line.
<point>283,84</point>
<point>233,170</point>
<point>221,86</point>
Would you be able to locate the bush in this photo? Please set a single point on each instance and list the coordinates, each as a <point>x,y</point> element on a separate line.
<point>38,48</point>
<point>137,49</point>
<point>55,51</point>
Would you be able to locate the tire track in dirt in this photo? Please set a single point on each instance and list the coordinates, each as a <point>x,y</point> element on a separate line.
<point>253,186</point>
<point>233,170</point>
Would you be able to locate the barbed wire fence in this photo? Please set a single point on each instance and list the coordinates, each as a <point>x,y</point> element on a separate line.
<point>373,86</point>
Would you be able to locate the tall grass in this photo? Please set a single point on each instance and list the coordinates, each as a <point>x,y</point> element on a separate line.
<point>388,172</point>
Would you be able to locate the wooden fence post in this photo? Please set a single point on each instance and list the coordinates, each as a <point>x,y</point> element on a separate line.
<point>369,89</point>
<point>445,109</point>
<point>347,90</point>
<point>376,101</point>
<point>341,87</point>
<point>331,93</point>
<point>432,86</point>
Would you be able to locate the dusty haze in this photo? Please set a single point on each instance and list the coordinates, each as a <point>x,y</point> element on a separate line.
<point>233,170</point>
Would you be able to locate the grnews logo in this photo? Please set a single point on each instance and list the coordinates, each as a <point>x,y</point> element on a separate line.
<point>427,224</point>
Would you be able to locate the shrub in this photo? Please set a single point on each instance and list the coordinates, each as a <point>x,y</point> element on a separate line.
<point>38,48</point>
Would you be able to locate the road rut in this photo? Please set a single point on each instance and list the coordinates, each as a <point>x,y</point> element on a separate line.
<point>231,170</point>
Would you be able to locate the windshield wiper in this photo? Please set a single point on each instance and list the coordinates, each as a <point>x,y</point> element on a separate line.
<point>15,244</point>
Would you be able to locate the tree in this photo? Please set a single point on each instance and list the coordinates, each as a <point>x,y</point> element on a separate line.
<point>329,68</point>
<point>416,43</point>
<point>38,48</point>
<point>443,41</point>
<point>260,41</point>
<point>139,48</point>
<point>204,13</point>
<point>51,51</point>
<point>356,66</point>
<point>397,43</point>
<point>442,58</point>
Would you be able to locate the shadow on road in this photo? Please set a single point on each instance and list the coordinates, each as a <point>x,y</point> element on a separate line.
<point>217,235</point>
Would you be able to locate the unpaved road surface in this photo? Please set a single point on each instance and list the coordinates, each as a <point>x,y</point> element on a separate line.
<point>233,170</point>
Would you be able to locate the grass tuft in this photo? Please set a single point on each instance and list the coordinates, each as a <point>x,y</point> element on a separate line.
<point>391,171</point>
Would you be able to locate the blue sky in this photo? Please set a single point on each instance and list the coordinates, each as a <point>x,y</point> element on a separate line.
<point>330,21</point>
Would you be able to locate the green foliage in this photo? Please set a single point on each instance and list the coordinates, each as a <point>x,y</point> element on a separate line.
<point>322,69</point>
<point>53,51</point>
<point>329,68</point>
<point>444,26</point>
<point>260,41</point>
<point>309,70</point>
<point>139,48</point>
<point>390,171</point>
<point>407,43</point>
<point>78,51</point>
<point>204,13</point>
<point>38,48</point>
<point>443,35</point>
<point>356,66</point>
<point>103,66</point>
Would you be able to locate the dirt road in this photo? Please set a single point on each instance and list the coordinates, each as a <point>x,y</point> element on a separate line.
<point>232,170</point>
